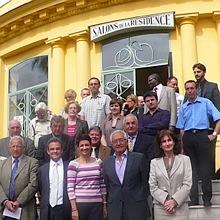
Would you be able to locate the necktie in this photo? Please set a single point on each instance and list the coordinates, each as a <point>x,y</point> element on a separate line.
<point>12,180</point>
<point>198,89</point>
<point>54,186</point>
<point>93,152</point>
<point>130,143</point>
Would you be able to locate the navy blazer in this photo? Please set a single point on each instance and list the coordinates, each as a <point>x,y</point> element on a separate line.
<point>131,195</point>
<point>44,189</point>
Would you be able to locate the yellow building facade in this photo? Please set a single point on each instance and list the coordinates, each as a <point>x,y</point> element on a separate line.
<point>61,32</point>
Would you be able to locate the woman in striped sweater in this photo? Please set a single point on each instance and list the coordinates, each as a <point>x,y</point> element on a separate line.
<point>85,184</point>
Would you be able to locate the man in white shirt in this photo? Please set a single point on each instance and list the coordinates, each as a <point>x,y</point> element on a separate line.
<point>54,204</point>
<point>95,107</point>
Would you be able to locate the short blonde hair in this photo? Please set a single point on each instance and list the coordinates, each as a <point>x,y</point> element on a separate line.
<point>133,98</point>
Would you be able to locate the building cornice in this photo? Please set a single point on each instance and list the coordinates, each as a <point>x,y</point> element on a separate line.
<point>28,20</point>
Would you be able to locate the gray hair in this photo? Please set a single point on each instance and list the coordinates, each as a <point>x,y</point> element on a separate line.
<point>129,115</point>
<point>118,131</point>
<point>41,105</point>
<point>57,118</point>
<point>17,138</point>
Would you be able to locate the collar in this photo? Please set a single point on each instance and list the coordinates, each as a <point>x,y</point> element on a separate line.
<point>133,136</point>
<point>59,162</point>
<point>159,86</point>
<point>97,96</point>
<point>19,159</point>
<point>198,99</point>
<point>157,110</point>
<point>125,154</point>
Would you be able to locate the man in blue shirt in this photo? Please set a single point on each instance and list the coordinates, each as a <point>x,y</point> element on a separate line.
<point>193,121</point>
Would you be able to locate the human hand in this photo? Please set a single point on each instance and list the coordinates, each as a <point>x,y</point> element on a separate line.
<point>170,205</point>
<point>10,206</point>
<point>211,137</point>
<point>75,215</point>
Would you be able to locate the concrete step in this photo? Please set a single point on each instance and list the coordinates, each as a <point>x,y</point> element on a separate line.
<point>215,186</point>
<point>215,198</point>
<point>200,212</point>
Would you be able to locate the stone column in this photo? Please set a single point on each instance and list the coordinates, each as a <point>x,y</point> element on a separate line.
<point>188,44</point>
<point>57,75</point>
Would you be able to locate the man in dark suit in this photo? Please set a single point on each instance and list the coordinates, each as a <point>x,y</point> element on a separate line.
<point>18,181</point>
<point>210,91</point>
<point>14,129</point>
<point>57,128</point>
<point>58,207</point>
<point>126,181</point>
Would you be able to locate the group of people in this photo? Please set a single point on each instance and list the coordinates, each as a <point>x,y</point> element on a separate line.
<point>106,159</point>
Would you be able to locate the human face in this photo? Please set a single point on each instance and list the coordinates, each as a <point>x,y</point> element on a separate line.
<point>54,151</point>
<point>94,86</point>
<point>72,110</point>
<point>84,148</point>
<point>57,128</point>
<point>167,145</point>
<point>14,128</point>
<point>95,137</point>
<point>199,74</point>
<point>191,91</point>
<point>152,82</point>
<point>16,148</point>
<point>130,103</point>
<point>85,93</point>
<point>151,103</point>
<point>173,83</point>
<point>41,113</point>
<point>119,143</point>
<point>115,109</point>
<point>141,101</point>
<point>130,125</point>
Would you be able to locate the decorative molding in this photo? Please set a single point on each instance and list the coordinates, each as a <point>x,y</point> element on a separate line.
<point>51,14</point>
<point>190,18</point>
<point>216,16</point>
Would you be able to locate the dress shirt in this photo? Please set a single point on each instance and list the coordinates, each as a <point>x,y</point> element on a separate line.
<point>61,176</point>
<point>13,159</point>
<point>158,90</point>
<point>179,101</point>
<point>95,109</point>
<point>120,165</point>
<point>132,140</point>
<point>195,115</point>
<point>152,123</point>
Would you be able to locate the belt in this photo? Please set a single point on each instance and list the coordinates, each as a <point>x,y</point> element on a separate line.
<point>195,131</point>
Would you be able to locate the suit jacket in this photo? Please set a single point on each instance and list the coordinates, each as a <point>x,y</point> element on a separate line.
<point>44,188</point>
<point>177,186</point>
<point>29,147</point>
<point>81,127</point>
<point>131,195</point>
<point>167,101</point>
<point>25,185</point>
<point>68,148</point>
<point>145,144</point>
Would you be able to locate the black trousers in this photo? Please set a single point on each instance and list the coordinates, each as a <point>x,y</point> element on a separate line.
<point>198,147</point>
<point>90,210</point>
<point>56,212</point>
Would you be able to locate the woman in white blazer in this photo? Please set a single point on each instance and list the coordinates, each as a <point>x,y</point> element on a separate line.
<point>170,179</point>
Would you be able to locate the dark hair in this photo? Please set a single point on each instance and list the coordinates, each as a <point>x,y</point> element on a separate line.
<point>54,139</point>
<point>171,77</point>
<point>83,137</point>
<point>96,128</point>
<point>57,118</point>
<point>199,66</point>
<point>95,79</point>
<point>156,77</point>
<point>116,101</point>
<point>150,94</point>
<point>159,151</point>
<point>189,81</point>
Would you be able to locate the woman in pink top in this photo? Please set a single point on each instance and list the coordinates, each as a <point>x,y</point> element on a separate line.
<point>74,126</point>
<point>85,184</point>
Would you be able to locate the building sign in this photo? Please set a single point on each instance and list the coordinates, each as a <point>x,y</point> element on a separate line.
<point>101,31</point>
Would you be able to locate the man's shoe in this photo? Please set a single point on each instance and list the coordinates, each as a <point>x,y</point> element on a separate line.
<point>207,203</point>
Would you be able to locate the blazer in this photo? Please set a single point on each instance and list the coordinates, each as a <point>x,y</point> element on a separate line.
<point>177,186</point>
<point>167,101</point>
<point>145,144</point>
<point>44,188</point>
<point>131,195</point>
<point>68,148</point>
<point>26,185</point>
<point>29,147</point>
<point>81,127</point>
